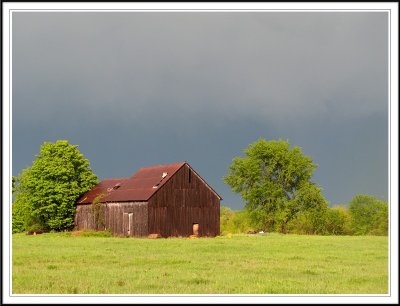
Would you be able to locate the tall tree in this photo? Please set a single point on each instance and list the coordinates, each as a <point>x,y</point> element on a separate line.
<point>22,218</point>
<point>49,188</point>
<point>275,182</point>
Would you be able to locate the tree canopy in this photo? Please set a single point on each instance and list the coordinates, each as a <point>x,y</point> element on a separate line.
<point>275,182</point>
<point>369,215</point>
<point>45,193</point>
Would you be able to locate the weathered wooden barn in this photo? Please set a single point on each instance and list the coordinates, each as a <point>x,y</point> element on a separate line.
<point>168,200</point>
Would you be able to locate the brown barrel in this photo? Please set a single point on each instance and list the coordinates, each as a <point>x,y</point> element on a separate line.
<point>195,229</point>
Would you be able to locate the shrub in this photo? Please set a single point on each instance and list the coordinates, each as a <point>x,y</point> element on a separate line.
<point>98,212</point>
<point>338,221</point>
<point>369,216</point>
<point>235,222</point>
<point>34,227</point>
<point>301,225</point>
<point>309,222</point>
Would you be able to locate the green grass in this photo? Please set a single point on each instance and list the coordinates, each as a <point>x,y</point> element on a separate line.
<point>270,264</point>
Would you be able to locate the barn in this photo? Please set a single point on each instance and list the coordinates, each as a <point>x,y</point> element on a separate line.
<point>167,200</point>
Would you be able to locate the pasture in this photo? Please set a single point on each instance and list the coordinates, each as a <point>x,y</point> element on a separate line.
<point>61,263</point>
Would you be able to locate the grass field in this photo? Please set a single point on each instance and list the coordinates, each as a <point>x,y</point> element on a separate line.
<point>268,264</point>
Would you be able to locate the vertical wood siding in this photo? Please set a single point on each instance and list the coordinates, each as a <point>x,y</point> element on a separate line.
<point>183,201</point>
<point>116,217</point>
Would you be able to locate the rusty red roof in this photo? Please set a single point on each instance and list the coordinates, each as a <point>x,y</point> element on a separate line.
<point>139,187</point>
<point>104,187</point>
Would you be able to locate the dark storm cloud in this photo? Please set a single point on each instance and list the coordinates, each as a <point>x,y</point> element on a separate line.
<point>201,86</point>
<point>262,65</point>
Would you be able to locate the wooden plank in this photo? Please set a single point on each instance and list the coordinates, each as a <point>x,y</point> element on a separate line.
<point>131,226</point>
<point>171,211</point>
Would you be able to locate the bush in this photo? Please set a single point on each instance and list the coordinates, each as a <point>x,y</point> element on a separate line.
<point>338,221</point>
<point>98,212</point>
<point>234,222</point>
<point>18,225</point>
<point>309,222</point>
<point>369,216</point>
<point>34,227</point>
<point>301,225</point>
<point>366,215</point>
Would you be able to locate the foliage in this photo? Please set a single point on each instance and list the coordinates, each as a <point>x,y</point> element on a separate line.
<point>234,222</point>
<point>97,211</point>
<point>14,183</point>
<point>34,227</point>
<point>369,215</point>
<point>45,193</point>
<point>338,221</point>
<point>275,182</point>
<point>365,216</point>
<point>329,221</point>
<point>226,215</point>
<point>301,225</point>
<point>22,218</point>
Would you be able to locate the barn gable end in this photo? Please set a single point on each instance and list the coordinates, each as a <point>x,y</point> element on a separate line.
<point>182,202</point>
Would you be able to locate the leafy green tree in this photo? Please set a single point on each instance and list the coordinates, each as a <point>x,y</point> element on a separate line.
<point>381,222</point>
<point>369,215</point>
<point>21,208</point>
<point>310,222</point>
<point>275,182</point>
<point>45,193</point>
<point>338,221</point>
<point>14,183</point>
<point>234,222</point>
<point>226,215</point>
<point>241,222</point>
<point>302,224</point>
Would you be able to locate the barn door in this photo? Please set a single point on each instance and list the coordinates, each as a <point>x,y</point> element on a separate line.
<point>127,224</point>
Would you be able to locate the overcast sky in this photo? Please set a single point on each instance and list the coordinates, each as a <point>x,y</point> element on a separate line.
<point>134,89</point>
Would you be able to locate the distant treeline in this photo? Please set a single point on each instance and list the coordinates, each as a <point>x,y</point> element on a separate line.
<point>364,215</point>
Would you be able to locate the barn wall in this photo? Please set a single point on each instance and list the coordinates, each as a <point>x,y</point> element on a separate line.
<point>127,218</point>
<point>184,200</point>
